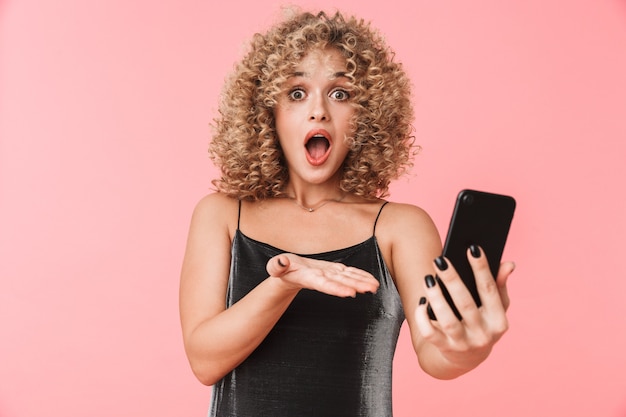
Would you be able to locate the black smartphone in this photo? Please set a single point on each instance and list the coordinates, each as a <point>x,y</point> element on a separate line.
<point>482,219</point>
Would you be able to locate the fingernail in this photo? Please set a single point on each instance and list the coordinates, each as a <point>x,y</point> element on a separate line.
<point>422,301</point>
<point>431,313</point>
<point>475,251</point>
<point>441,263</point>
<point>430,281</point>
<point>280,263</point>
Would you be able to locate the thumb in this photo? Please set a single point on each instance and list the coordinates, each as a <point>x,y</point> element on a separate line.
<point>503,276</point>
<point>277,265</point>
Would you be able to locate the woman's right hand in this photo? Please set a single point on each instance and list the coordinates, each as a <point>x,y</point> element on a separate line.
<point>331,278</point>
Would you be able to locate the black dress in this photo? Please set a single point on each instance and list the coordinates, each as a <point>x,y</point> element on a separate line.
<point>326,356</point>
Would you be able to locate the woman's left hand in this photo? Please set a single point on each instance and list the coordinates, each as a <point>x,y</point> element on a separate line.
<point>465,343</point>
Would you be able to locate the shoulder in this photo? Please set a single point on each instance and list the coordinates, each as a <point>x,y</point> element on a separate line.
<point>216,210</point>
<point>402,217</point>
<point>216,201</point>
<point>407,237</point>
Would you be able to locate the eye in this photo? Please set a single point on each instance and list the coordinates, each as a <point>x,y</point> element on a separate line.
<point>296,94</point>
<point>340,94</point>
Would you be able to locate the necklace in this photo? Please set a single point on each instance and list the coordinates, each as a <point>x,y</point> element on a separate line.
<point>312,209</point>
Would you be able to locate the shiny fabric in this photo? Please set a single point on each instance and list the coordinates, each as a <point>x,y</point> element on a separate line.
<point>327,356</point>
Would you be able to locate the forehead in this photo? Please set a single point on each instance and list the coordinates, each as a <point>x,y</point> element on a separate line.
<point>328,61</point>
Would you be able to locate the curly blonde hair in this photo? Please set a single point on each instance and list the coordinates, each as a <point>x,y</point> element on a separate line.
<point>245,145</point>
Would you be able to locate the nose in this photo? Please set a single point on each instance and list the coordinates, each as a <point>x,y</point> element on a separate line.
<point>319,110</point>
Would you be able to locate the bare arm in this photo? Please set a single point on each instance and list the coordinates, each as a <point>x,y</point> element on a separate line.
<point>217,339</point>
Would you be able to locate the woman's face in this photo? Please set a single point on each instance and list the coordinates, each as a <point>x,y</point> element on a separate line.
<point>313,117</point>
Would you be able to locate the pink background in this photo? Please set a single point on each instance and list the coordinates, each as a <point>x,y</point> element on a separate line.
<point>104,112</point>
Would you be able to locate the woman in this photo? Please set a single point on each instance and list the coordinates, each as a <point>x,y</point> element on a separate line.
<point>297,274</point>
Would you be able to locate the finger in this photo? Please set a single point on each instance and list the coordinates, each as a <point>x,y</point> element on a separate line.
<point>461,296</point>
<point>353,278</point>
<point>447,320</point>
<point>358,277</point>
<point>331,284</point>
<point>331,278</point>
<point>278,265</point>
<point>485,282</point>
<point>488,290</point>
<point>346,275</point>
<point>425,325</point>
<point>504,272</point>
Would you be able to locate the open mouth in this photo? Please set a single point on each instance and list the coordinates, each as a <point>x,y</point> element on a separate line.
<point>317,147</point>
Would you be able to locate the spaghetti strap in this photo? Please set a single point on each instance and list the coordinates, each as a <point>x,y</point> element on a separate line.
<point>377,216</point>
<point>239,214</point>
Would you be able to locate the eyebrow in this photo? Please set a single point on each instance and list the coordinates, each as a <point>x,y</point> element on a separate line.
<point>338,74</point>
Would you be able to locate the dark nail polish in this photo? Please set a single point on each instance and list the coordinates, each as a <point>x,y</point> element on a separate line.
<point>280,263</point>
<point>422,301</point>
<point>430,281</point>
<point>431,313</point>
<point>475,251</point>
<point>441,263</point>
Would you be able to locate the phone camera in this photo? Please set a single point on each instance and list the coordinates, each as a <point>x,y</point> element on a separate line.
<point>468,199</point>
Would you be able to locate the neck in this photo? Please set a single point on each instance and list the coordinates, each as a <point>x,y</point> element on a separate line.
<point>313,198</point>
<point>322,203</point>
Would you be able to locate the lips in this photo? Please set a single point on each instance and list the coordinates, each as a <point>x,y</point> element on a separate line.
<point>317,144</point>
